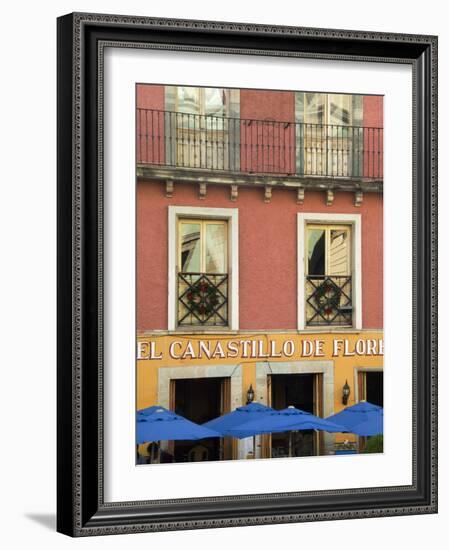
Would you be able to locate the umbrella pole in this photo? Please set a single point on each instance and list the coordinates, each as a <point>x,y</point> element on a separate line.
<point>254,446</point>
<point>290,444</point>
<point>152,454</point>
<point>159,452</point>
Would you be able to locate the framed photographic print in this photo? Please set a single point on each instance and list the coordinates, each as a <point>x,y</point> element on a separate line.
<point>246,274</point>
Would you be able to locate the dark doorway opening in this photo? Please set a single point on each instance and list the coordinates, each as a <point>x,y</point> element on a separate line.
<point>371,389</point>
<point>199,400</point>
<point>375,388</point>
<point>303,391</point>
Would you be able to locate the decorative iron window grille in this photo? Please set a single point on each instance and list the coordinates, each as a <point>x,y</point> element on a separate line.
<point>202,299</point>
<point>328,300</point>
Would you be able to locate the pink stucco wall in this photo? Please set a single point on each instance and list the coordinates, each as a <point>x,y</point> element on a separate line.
<point>373,111</point>
<point>150,124</point>
<point>267,144</point>
<point>267,255</point>
<point>373,140</point>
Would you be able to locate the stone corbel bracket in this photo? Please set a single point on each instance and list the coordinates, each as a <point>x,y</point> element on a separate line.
<point>329,197</point>
<point>234,192</point>
<point>169,189</point>
<point>358,198</point>
<point>202,190</point>
<point>268,193</point>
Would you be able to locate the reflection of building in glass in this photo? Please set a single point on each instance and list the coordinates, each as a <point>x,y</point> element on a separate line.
<point>328,280</point>
<point>202,276</point>
<point>259,219</point>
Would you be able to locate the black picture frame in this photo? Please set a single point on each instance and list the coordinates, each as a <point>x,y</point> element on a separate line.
<point>81,510</point>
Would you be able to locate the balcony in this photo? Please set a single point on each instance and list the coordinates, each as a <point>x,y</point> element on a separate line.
<point>202,299</point>
<point>261,150</point>
<point>328,300</point>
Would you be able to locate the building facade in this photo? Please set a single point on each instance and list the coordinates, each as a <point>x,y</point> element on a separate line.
<point>259,257</point>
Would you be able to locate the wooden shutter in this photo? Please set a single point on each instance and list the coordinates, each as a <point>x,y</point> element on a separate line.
<point>229,450</point>
<point>361,384</point>
<point>318,410</point>
<point>171,406</point>
<point>266,439</point>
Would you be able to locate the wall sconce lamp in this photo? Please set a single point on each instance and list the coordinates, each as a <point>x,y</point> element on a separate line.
<point>250,395</point>
<point>346,392</point>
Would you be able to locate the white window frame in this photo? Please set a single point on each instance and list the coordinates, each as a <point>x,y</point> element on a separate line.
<point>355,221</point>
<point>231,216</point>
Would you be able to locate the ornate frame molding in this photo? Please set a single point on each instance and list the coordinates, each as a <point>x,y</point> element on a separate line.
<point>81,41</point>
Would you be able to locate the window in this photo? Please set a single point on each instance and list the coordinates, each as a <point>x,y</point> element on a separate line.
<point>331,109</point>
<point>330,137</point>
<point>203,273</point>
<point>203,246</point>
<point>203,268</point>
<point>328,277</point>
<point>207,102</point>
<point>202,128</point>
<point>329,270</point>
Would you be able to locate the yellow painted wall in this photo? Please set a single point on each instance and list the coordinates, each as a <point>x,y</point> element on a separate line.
<point>344,365</point>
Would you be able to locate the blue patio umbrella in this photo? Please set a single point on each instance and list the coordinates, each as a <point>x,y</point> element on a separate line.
<point>144,413</point>
<point>285,420</point>
<point>361,417</point>
<point>161,424</point>
<point>372,426</point>
<point>236,418</point>
<point>150,410</point>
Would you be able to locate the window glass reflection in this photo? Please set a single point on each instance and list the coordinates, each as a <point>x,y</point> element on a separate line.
<point>316,252</point>
<point>215,248</point>
<point>190,248</point>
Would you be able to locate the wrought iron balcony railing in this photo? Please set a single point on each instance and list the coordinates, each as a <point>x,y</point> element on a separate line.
<point>328,300</point>
<point>172,139</point>
<point>202,299</point>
